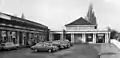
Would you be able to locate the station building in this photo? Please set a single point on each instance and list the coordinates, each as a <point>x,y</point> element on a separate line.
<point>21,31</point>
<point>82,30</point>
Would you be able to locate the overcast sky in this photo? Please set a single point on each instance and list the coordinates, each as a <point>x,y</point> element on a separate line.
<point>56,13</point>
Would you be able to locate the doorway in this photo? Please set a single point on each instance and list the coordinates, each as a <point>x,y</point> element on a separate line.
<point>100,38</point>
<point>68,37</point>
<point>89,37</point>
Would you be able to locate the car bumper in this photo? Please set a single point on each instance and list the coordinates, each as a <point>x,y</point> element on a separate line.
<point>6,48</point>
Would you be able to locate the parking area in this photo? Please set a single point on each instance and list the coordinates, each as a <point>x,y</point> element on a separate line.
<point>76,51</point>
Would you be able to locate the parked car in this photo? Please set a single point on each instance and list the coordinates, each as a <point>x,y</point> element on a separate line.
<point>59,44</point>
<point>67,41</point>
<point>66,44</point>
<point>44,47</point>
<point>9,46</point>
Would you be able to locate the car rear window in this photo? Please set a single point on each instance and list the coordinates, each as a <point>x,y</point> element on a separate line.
<point>2,44</point>
<point>39,44</point>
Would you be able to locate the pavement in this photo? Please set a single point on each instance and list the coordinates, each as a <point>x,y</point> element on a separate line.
<point>76,51</point>
<point>109,51</point>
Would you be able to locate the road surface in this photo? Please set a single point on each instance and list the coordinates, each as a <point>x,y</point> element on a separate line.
<point>76,51</point>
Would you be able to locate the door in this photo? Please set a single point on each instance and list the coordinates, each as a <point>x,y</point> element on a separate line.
<point>89,37</point>
<point>100,38</point>
<point>78,38</point>
<point>68,37</point>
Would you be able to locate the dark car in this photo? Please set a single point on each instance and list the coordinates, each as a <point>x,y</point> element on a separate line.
<point>68,42</point>
<point>44,47</point>
<point>59,44</point>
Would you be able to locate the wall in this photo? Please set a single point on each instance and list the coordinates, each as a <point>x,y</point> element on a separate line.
<point>79,28</point>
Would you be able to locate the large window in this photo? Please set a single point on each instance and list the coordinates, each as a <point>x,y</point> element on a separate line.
<point>56,36</point>
<point>89,37</point>
<point>100,38</point>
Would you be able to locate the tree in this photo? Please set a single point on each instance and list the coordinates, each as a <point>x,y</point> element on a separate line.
<point>113,33</point>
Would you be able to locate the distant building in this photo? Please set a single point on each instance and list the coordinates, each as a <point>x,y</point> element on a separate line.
<point>21,31</point>
<point>82,30</point>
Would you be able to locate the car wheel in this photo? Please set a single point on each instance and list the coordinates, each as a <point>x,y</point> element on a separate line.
<point>8,49</point>
<point>62,47</point>
<point>54,50</point>
<point>69,46</point>
<point>50,50</point>
<point>36,50</point>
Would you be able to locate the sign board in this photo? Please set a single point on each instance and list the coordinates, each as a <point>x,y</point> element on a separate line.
<point>13,34</point>
<point>100,34</point>
<point>3,33</point>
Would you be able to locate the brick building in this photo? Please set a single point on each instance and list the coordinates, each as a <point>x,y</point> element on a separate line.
<point>21,31</point>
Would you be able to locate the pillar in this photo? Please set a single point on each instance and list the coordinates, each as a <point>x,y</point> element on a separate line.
<point>61,37</point>
<point>106,38</point>
<point>72,37</point>
<point>83,37</point>
<point>18,37</point>
<point>50,37</point>
<point>23,35</point>
<point>94,37</point>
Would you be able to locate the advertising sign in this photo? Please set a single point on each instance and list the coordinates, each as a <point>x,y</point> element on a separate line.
<point>13,34</point>
<point>3,33</point>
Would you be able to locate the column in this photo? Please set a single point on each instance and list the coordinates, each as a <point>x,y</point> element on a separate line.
<point>83,37</point>
<point>23,35</point>
<point>94,37</point>
<point>72,37</point>
<point>0,36</point>
<point>18,37</point>
<point>61,37</point>
<point>109,37</point>
<point>51,37</point>
<point>106,38</point>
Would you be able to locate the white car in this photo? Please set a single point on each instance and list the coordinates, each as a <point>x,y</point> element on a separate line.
<point>9,46</point>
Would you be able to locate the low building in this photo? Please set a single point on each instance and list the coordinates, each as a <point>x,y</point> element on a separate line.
<point>82,30</point>
<point>21,31</point>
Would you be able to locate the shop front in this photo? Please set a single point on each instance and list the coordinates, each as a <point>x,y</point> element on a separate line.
<point>100,38</point>
<point>84,37</point>
<point>89,37</point>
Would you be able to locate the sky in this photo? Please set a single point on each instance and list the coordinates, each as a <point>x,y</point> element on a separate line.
<point>56,13</point>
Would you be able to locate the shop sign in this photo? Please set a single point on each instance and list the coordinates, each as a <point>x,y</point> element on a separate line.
<point>9,34</point>
<point>100,34</point>
<point>3,33</point>
<point>13,34</point>
<point>89,36</point>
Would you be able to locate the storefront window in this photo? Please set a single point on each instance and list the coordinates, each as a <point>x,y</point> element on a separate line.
<point>9,36</point>
<point>3,36</point>
<point>100,38</point>
<point>89,37</point>
<point>14,37</point>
